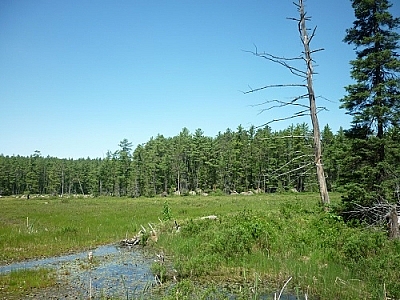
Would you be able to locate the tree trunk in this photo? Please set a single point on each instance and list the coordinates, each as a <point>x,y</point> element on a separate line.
<point>313,109</point>
<point>393,224</point>
<point>62,182</point>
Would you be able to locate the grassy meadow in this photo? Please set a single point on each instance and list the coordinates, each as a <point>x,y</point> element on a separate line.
<point>257,243</point>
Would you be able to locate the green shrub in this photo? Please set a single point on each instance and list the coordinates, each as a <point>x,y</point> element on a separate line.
<point>239,235</point>
<point>363,245</point>
<point>166,212</point>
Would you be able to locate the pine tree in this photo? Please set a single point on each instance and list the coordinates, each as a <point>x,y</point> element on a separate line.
<point>374,102</point>
<point>374,99</point>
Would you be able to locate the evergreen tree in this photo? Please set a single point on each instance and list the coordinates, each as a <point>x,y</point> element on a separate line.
<point>374,99</point>
<point>124,155</point>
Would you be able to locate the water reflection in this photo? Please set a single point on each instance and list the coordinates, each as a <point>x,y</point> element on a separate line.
<point>115,271</point>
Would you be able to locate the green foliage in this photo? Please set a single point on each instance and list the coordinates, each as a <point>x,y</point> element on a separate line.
<point>363,246</point>
<point>273,235</point>
<point>356,195</point>
<point>193,228</point>
<point>166,212</point>
<point>370,170</point>
<point>238,237</point>
<point>287,238</point>
<point>241,160</point>
<point>16,284</point>
<point>184,290</point>
<point>160,270</point>
<point>69,230</point>
<point>373,99</point>
<point>188,290</point>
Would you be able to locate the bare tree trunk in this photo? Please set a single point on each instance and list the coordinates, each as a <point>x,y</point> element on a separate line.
<point>313,109</point>
<point>80,185</point>
<point>393,224</point>
<point>62,182</point>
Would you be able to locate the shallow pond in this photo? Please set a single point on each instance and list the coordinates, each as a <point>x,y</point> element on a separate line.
<point>113,272</point>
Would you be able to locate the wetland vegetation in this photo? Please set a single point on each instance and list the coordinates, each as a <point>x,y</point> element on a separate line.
<point>257,243</point>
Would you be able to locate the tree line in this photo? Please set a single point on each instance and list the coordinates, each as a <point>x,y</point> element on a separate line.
<point>238,160</point>
<point>254,159</point>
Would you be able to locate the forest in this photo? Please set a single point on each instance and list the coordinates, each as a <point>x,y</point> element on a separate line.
<point>243,160</point>
<point>240,160</point>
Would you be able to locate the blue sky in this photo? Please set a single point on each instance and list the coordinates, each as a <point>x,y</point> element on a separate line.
<point>77,77</point>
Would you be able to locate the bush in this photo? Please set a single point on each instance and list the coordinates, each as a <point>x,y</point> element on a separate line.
<point>166,212</point>
<point>364,245</point>
<point>239,236</point>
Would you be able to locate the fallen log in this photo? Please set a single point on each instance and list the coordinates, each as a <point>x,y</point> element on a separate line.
<point>141,237</point>
<point>130,242</point>
<point>212,217</point>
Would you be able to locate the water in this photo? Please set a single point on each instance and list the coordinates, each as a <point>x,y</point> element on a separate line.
<point>122,273</point>
<point>115,271</point>
<point>57,260</point>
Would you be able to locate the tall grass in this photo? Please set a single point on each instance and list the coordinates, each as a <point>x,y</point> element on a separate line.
<point>15,284</point>
<point>39,228</point>
<point>275,238</point>
<point>254,246</point>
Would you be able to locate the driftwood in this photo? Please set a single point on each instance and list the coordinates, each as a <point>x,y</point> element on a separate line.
<point>130,242</point>
<point>151,233</point>
<point>212,217</point>
<point>139,237</point>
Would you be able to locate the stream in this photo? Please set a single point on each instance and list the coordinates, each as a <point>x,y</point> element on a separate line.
<point>114,272</point>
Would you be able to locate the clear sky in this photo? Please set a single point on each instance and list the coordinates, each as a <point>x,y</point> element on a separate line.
<point>79,76</point>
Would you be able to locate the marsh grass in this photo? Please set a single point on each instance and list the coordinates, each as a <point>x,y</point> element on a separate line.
<point>16,284</point>
<point>275,238</point>
<point>254,246</point>
<point>61,228</point>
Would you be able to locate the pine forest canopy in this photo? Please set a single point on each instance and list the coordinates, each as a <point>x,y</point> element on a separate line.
<point>241,160</point>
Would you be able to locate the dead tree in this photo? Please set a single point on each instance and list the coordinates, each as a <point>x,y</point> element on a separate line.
<point>313,109</point>
<point>305,109</point>
<point>379,214</point>
<point>393,223</point>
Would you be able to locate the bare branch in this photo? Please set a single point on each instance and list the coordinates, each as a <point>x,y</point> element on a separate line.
<point>274,86</point>
<point>293,170</point>
<point>296,115</point>
<point>312,35</point>
<point>283,104</point>
<point>286,136</point>
<point>316,50</point>
<point>320,108</point>
<point>280,101</point>
<point>256,53</point>
<point>326,99</point>
<point>375,214</point>
<point>282,61</point>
